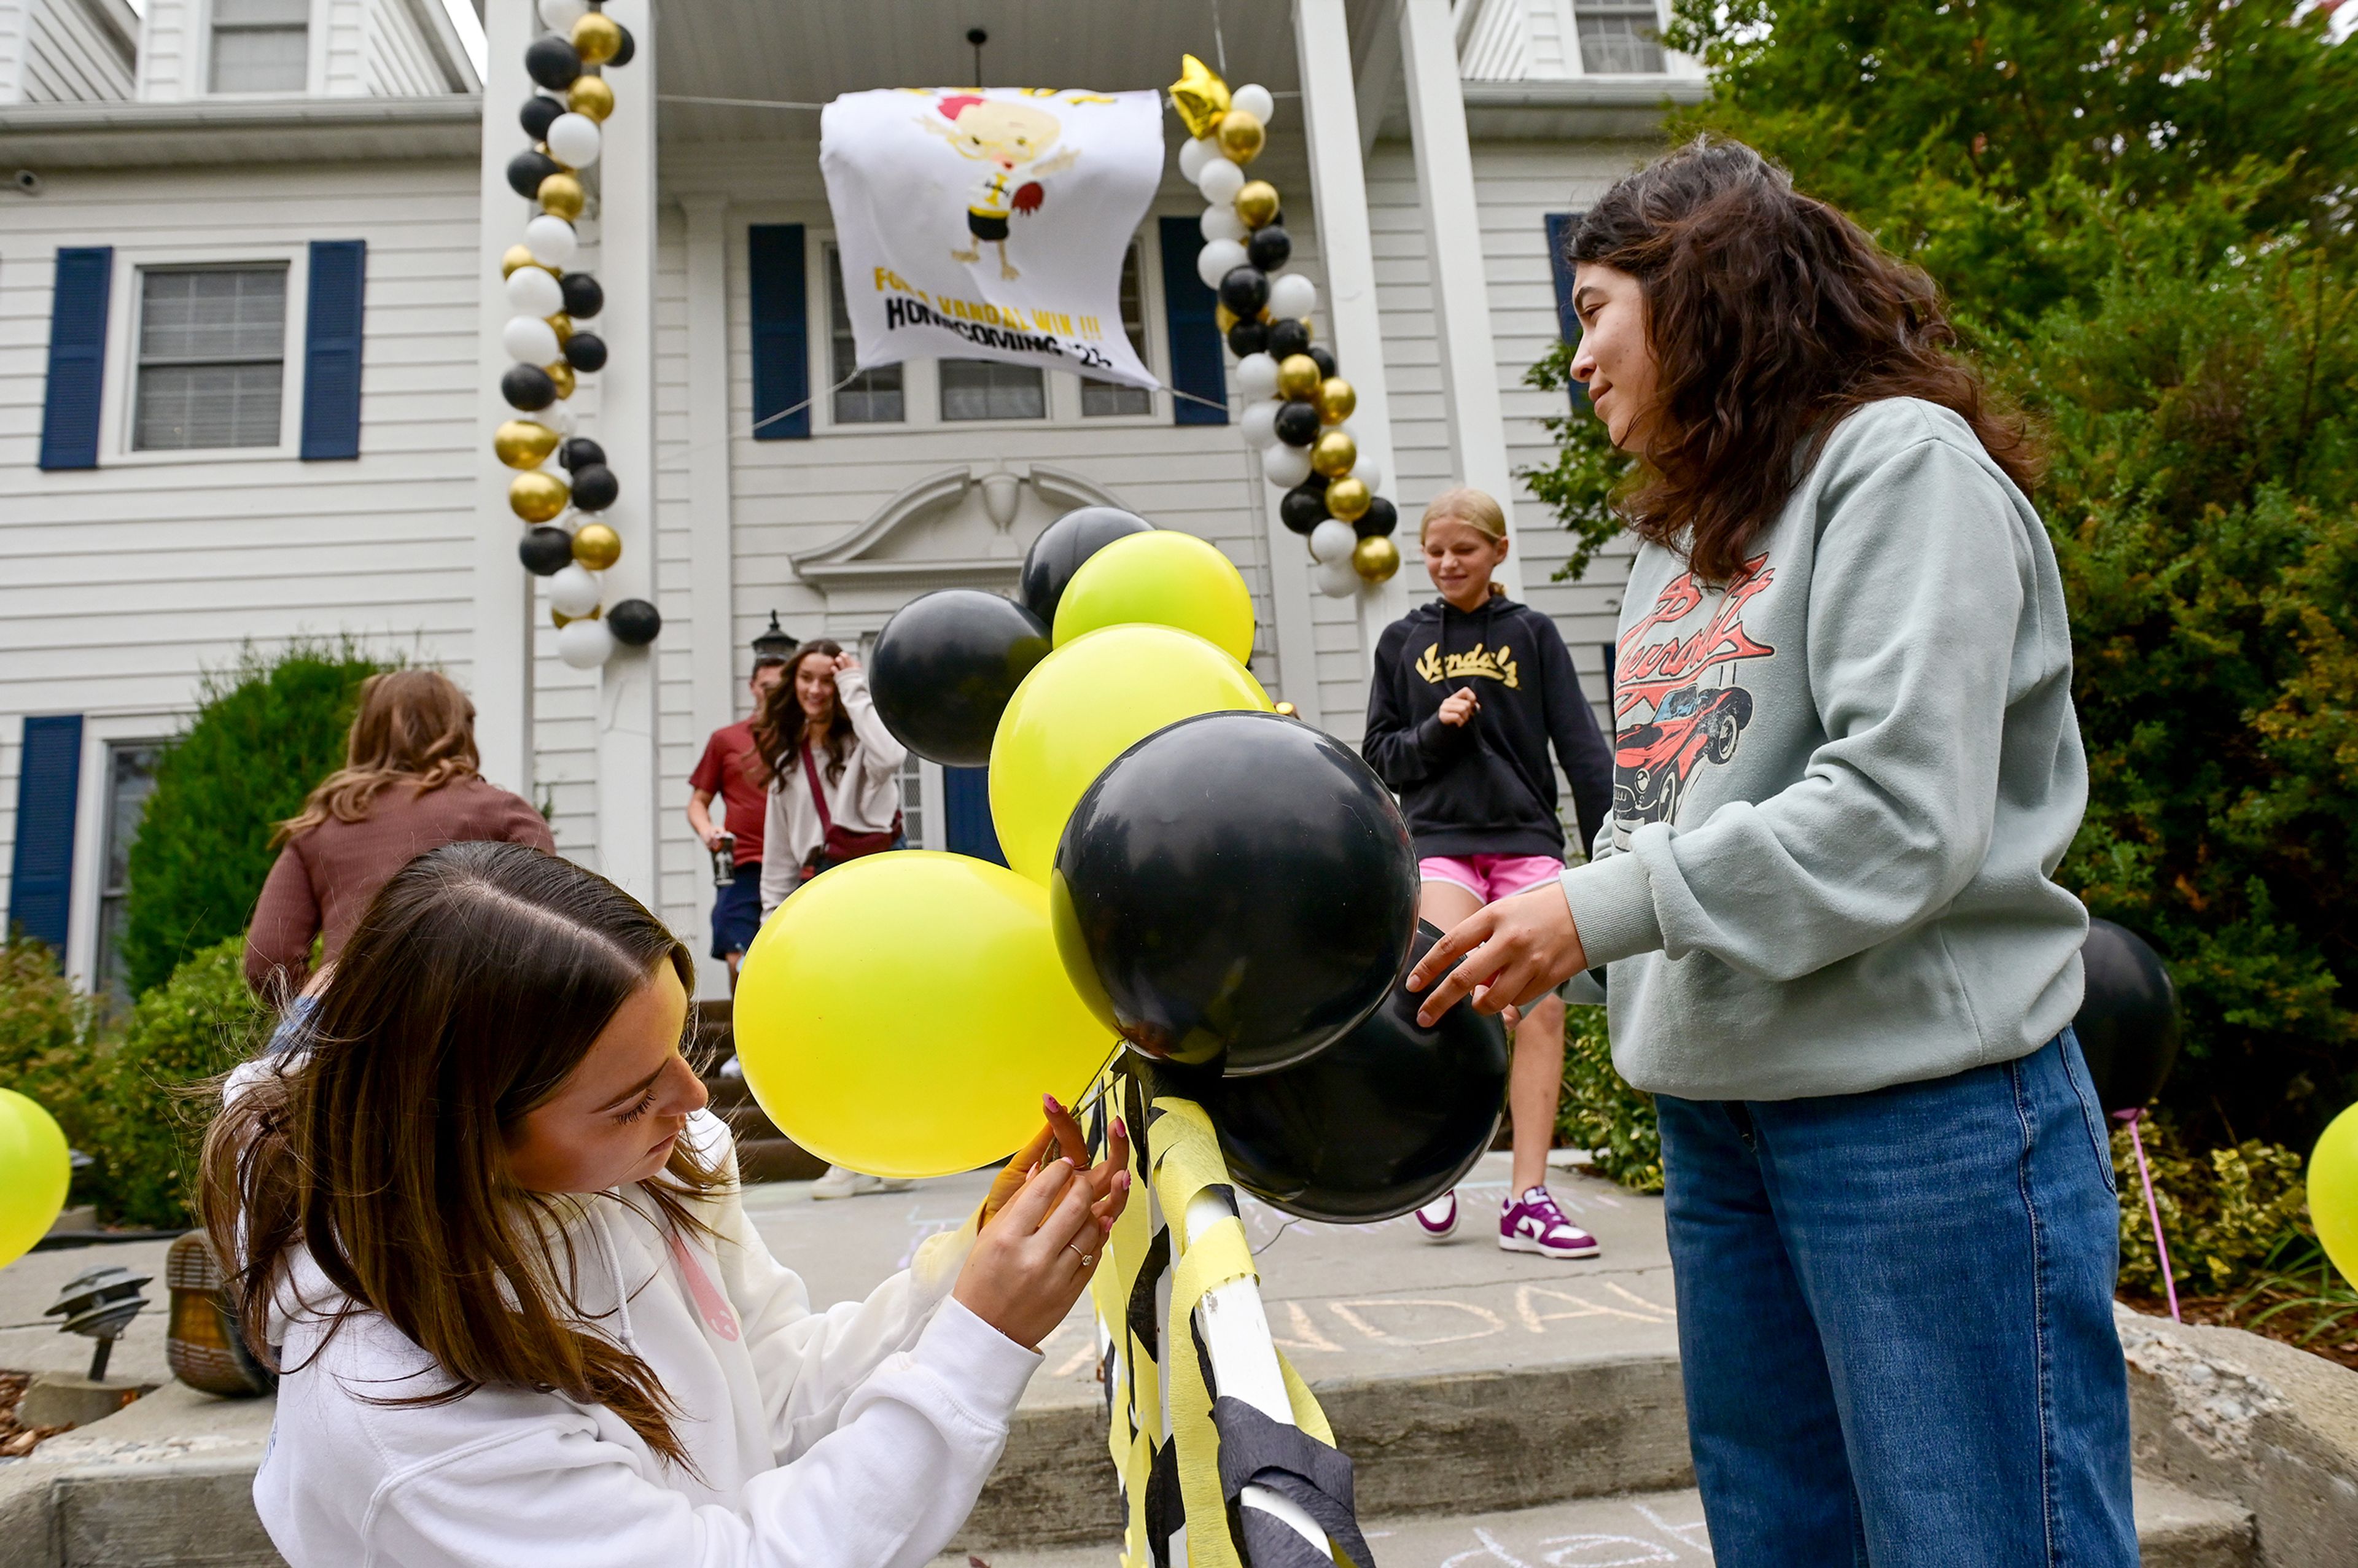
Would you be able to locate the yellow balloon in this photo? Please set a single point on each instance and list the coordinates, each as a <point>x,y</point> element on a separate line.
<point>597,547</point>
<point>844,1010</point>
<point>515,256</point>
<point>1336,399</point>
<point>1348,499</point>
<point>597,38</point>
<point>562,375</point>
<point>1165,578</point>
<point>2332,1192</point>
<point>1375,558</point>
<point>1083,705</point>
<point>33,1174</point>
<point>1199,96</point>
<point>523,443</point>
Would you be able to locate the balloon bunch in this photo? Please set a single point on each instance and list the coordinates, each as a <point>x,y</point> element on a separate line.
<point>562,477</point>
<point>1230,893</point>
<point>1296,405</point>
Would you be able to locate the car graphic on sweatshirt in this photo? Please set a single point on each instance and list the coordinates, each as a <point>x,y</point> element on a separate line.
<point>1653,763</point>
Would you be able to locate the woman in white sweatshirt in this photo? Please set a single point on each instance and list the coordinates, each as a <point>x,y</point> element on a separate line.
<point>495,1245</point>
<point>819,728</point>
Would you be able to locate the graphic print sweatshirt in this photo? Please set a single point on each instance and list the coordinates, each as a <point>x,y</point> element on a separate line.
<point>1842,784</point>
<point>1484,787</point>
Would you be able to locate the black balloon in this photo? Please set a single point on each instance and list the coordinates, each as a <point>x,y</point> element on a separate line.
<point>1237,888</point>
<point>1321,359</point>
<point>1288,338</point>
<point>1061,549</point>
<point>943,667</point>
<point>552,61</point>
<point>527,387</point>
<point>540,112</point>
<point>1378,520</point>
<point>2128,1018</point>
<point>1297,423</point>
<point>527,170</point>
<point>634,622</point>
<point>625,49</point>
<point>1245,290</point>
<point>1269,248</point>
<point>586,350</point>
<point>583,297</point>
<point>1303,507</point>
<point>1247,337</point>
<point>544,550</point>
<point>581,452</point>
<point>595,487</point>
<point>1384,1120</point>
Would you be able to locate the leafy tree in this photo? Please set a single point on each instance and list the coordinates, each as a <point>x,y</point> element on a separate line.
<point>268,730</point>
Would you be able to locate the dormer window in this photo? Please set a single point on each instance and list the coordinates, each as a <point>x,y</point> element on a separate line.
<point>1619,38</point>
<point>261,46</point>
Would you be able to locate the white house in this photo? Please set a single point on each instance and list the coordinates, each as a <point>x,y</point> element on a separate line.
<point>249,307</point>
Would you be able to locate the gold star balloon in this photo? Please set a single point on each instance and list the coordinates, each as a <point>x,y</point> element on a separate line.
<point>1200,95</point>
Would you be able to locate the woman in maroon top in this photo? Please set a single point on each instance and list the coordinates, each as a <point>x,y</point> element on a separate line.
<point>409,784</point>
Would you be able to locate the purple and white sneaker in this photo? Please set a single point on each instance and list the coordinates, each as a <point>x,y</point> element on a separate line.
<point>1532,1223</point>
<point>1437,1221</point>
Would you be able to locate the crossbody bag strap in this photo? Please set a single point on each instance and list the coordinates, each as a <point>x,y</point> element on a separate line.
<point>818,796</point>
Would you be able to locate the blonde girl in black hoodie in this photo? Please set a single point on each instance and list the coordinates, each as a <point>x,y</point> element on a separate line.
<point>1469,690</point>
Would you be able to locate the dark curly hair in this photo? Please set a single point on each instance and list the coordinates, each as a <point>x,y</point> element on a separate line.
<point>1771,316</point>
<point>778,726</point>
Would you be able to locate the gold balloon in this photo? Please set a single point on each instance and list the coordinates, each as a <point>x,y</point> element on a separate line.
<point>523,443</point>
<point>1350,499</point>
<point>1375,559</point>
<point>597,38</point>
<point>562,375</point>
<point>1223,317</point>
<point>538,496</point>
<point>1241,136</point>
<point>1285,710</point>
<point>562,325</point>
<point>563,620</point>
<point>1297,377</point>
<point>1200,96</point>
<point>1337,399</point>
<point>561,196</point>
<point>597,547</point>
<point>1334,453</point>
<point>590,95</point>
<point>1257,204</point>
<point>515,256</point>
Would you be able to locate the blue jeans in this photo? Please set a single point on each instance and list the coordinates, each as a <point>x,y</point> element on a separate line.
<point>1896,1321</point>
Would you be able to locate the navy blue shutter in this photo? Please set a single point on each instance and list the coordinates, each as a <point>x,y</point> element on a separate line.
<point>331,350</point>
<point>1561,227</point>
<point>1198,366</point>
<point>49,785</point>
<point>76,357</point>
<point>966,815</point>
<point>780,332</point>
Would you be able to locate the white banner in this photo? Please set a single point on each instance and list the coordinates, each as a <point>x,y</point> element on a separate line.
<point>991,225</point>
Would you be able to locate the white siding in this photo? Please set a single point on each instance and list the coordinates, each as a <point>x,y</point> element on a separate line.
<point>12,752</point>
<point>399,60</point>
<point>169,50</point>
<point>71,55</point>
<point>1496,45</point>
<point>341,48</point>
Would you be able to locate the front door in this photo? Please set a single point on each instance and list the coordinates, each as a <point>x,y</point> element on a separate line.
<point>966,813</point>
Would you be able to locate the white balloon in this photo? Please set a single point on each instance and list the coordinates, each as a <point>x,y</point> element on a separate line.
<point>558,16</point>
<point>550,240</point>
<point>1218,259</point>
<point>530,341</point>
<point>1333,540</point>
<point>1335,579</point>
<point>1292,294</point>
<point>1254,99</point>
<point>573,140</point>
<point>572,591</point>
<point>1194,155</point>
<point>1222,223</point>
<point>533,292</point>
<point>1258,425</point>
<point>558,417</point>
<point>585,644</point>
<point>1220,181</point>
<point>1257,375</point>
<point>1370,472</point>
<point>1285,466</point>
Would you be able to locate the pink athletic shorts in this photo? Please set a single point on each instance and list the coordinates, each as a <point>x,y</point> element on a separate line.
<point>1491,877</point>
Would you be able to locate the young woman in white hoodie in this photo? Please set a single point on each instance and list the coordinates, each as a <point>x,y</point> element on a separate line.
<point>495,1244</point>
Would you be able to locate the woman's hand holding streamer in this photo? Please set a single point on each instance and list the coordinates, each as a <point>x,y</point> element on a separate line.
<point>1044,1229</point>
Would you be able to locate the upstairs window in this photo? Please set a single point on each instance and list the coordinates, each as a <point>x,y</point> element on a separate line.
<point>989,389</point>
<point>873,396</point>
<point>1103,398</point>
<point>1619,38</point>
<point>261,46</point>
<point>212,357</point>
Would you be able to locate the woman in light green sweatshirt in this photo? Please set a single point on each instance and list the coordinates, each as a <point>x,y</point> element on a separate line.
<point>1845,767</point>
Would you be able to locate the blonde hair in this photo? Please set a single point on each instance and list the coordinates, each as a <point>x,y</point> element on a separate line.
<point>1477,509</point>
<point>414,727</point>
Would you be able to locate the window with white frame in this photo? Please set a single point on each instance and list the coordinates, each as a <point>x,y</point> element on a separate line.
<point>873,396</point>
<point>912,800</point>
<point>130,780</point>
<point>261,46</point>
<point>1619,38</point>
<point>987,389</point>
<point>1104,397</point>
<point>212,357</point>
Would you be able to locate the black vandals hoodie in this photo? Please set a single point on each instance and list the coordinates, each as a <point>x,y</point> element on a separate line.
<point>1484,787</point>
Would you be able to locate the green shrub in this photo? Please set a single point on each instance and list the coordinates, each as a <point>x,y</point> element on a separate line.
<point>2226,1213</point>
<point>268,730</point>
<point>48,1033</point>
<point>1602,1114</point>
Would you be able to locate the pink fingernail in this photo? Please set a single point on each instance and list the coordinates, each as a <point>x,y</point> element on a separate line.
<point>1050,1101</point>
<point>1122,1126</point>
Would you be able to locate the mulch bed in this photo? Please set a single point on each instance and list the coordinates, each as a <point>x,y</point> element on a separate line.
<point>2289,1327</point>
<point>16,1441</point>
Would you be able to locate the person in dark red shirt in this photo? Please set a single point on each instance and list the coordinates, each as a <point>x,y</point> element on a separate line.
<point>733,769</point>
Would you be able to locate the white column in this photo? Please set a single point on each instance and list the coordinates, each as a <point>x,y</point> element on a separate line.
<point>1338,187</point>
<point>626,427</point>
<point>1453,241</point>
<point>501,678</point>
<point>713,635</point>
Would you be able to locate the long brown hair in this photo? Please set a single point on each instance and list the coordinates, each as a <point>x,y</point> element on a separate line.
<point>472,989</point>
<point>1771,316</point>
<point>414,728</point>
<point>778,728</point>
